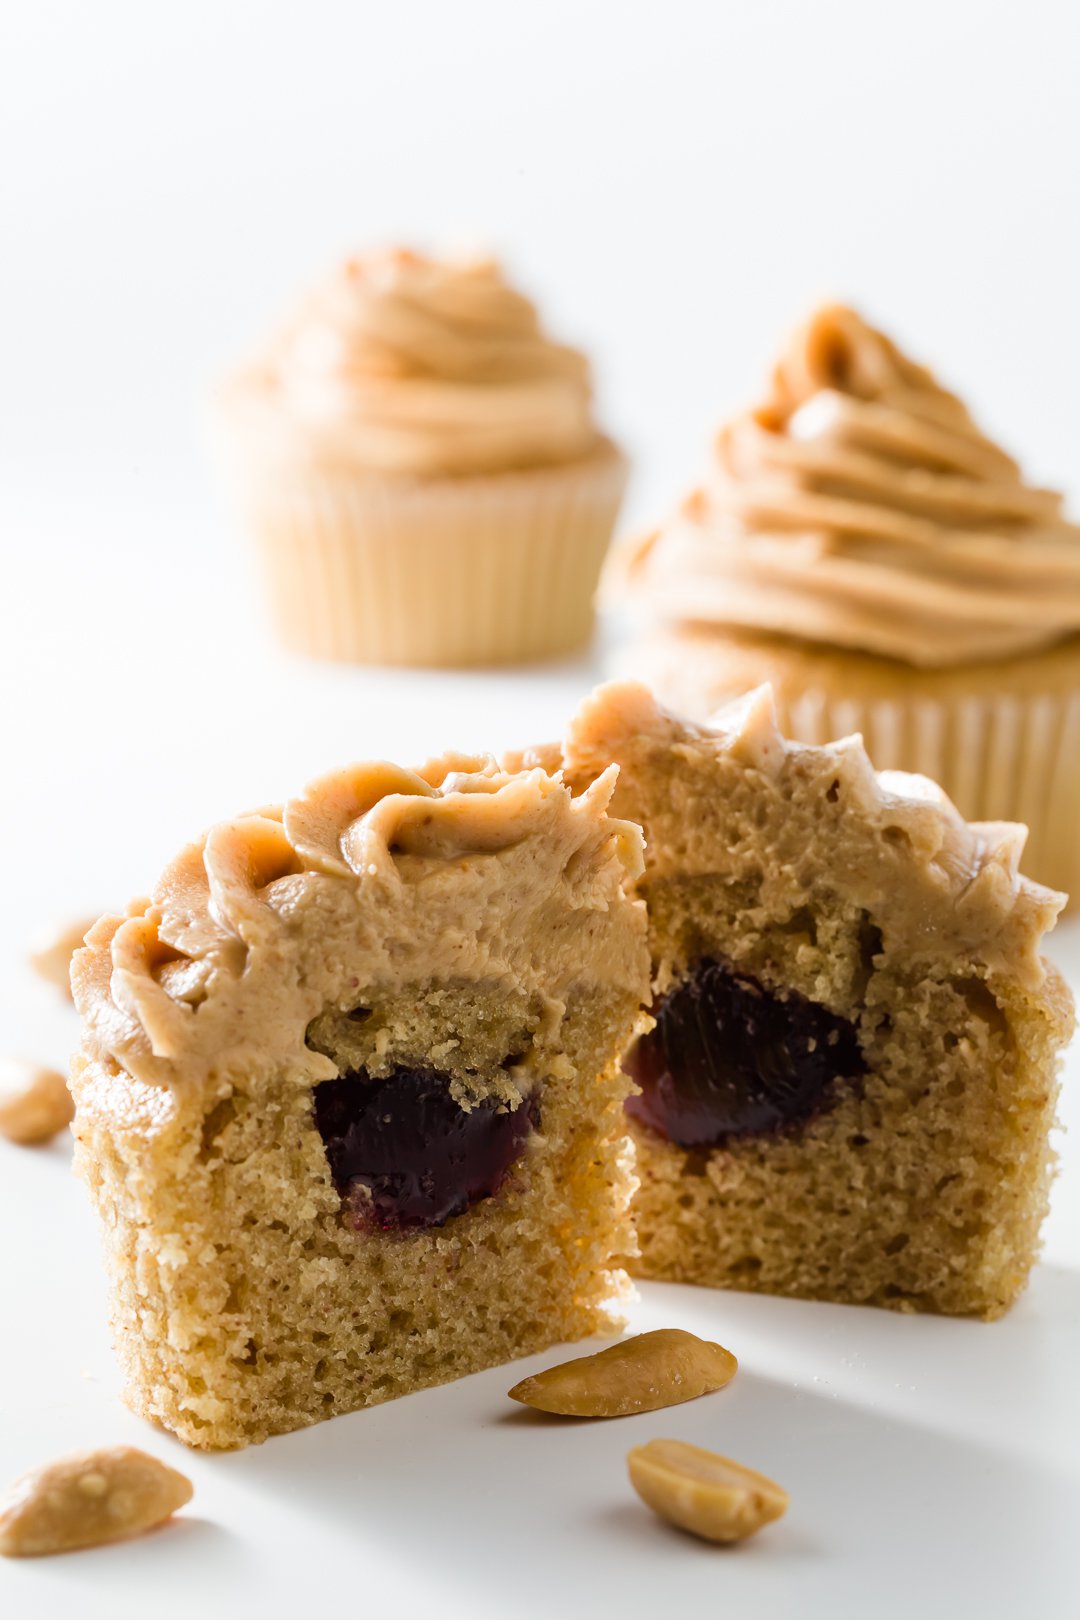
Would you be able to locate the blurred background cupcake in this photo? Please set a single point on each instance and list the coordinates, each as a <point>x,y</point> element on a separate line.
<point>863,546</point>
<point>421,472</point>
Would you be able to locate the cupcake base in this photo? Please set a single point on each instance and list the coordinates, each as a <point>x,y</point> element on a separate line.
<point>493,569</point>
<point>1002,739</point>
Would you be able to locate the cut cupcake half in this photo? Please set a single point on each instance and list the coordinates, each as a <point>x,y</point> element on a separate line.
<point>849,1083</point>
<point>349,1098</point>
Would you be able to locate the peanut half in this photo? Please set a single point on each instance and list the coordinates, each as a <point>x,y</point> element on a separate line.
<point>35,1102</point>
<point>708,1495</point>
<point>87,1499</point>
<point>639,1375</point>
<point>51,957</point>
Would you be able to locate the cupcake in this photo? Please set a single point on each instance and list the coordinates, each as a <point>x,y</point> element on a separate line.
<point>420,469</point>
<point>349,1101</point>
<point>864,547</point>
<point>847,1084</point>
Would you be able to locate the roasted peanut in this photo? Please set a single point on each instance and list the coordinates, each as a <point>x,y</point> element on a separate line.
<point>708,1495</point>
<point>35,1102</point>
<point>87,1499</point>
<point>639,1375</point>
<point>51,956</point>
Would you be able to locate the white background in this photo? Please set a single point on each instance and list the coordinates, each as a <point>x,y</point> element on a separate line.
<point>676,184</point>
<point>675,181</point>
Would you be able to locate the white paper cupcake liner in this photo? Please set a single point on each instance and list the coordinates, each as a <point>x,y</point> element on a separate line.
<point>467,571</point>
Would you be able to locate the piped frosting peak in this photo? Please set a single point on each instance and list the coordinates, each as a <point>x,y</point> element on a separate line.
<point>403,364</point>
<point>380,862</point>
<point>941,882</point>
<point>858,505</point>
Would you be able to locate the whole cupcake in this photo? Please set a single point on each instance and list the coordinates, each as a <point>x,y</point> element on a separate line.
<point>864,547</point>
<point>420,469</point>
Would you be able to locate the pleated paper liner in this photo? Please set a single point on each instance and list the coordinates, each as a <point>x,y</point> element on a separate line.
<point>495,569</point>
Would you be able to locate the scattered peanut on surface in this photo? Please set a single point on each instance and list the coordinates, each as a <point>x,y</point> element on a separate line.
<point>88,1499</point>
<point>641,1374</point>
<point>699,1491</point>
<point>35,1102</point>
<point>51,956</point>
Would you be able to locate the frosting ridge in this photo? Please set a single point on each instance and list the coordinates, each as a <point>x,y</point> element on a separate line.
<point>214,960</point>
<point>404,364</point>
<point>942,881</point>
<point>859,505</point>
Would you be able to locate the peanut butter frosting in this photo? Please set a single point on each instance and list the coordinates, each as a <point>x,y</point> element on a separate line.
<point>942,882</point>
<point>402,364</point>
<point>859,506</point>
<point>357,885</point>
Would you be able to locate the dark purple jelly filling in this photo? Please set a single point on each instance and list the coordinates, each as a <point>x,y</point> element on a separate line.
<point>404,1154</point>
<point>729,1058</point>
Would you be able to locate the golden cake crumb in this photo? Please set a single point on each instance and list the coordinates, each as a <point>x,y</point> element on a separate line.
<point>801,879</point>
<point>461,927</point>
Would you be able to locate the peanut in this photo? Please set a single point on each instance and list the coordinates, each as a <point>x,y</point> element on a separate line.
<point>51,957</point>
<point>87,1499</point>
<point>708,1495</point>
<point>639,1375</point>
<point>35,1102</point>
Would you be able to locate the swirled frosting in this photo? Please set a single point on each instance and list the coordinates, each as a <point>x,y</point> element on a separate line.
<point>859,506</point>
<point>402,364</point>
<point>904,853</point>
<point>374,877</point>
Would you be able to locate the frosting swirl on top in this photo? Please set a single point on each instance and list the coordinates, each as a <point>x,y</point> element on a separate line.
<point>860,506</point>
<point>360,880</point>
<point>403,364</point>
<point>904,853</point>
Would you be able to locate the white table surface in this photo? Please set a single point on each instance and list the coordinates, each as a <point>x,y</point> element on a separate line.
<point>932,1464</point>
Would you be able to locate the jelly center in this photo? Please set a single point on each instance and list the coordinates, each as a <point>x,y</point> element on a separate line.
<point>403,1153</point>
<point>728,1057</point>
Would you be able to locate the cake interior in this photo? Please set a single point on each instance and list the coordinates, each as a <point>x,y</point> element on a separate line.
<point>302,1298</point>
<point>849,1090</point>
<point>919,1182</point>
<point>349,1099</point>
